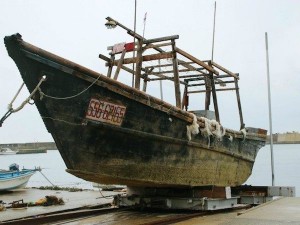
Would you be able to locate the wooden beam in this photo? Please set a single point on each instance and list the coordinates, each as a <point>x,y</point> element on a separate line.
<point>180,62</point>
<point>239,103</point>
<point>119,65</point>
<point>146,78</point>
<point>156,46</point>
<point>172,71</point>
<point>164,55</point>
<point>138,68</point>
<point>176,76</point>
<point>165,78</point>
<point>109,62</point>
<point>225,70</point>
<point>109,71</point>
<point>167,38</point>
<point>203,91</point>
<point>214,95</point>
<point>194,59</point>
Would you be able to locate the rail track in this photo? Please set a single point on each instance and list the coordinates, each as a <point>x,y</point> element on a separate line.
<point>109,215</point>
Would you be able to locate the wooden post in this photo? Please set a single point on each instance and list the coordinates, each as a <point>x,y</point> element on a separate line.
<point>176,76</point>
<point>145,82</point>
<point>208,92</point>
<point>239,102</point>
<point>185,97</point>
<point>148,71</point>
<point>214,94</point>
<point>138,68</point>
<point>112,58</point>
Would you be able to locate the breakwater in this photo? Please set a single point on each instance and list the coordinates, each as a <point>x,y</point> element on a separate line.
<point>286,138</point>
<point>33,147</point>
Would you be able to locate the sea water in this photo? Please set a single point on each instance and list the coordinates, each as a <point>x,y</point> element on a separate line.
<point>53,169</point>
<point>286,168</point>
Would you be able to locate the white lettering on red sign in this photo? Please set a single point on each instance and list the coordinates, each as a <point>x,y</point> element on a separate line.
<point>105,112</point>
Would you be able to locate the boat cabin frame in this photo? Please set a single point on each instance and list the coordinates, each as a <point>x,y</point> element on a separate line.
<point>178,66</point>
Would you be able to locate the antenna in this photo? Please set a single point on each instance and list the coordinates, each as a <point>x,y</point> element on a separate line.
<point>145,18</point>
<point>213,42</point>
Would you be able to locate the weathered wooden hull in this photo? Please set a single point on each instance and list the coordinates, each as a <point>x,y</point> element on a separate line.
<point>142,143</point>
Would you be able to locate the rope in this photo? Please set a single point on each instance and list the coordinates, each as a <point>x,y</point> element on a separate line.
<point>193,128</point>
<point>63,121</point>
<point>47,178</point>
<point>10,105</point>
<point>12,101</point>
<point>27,99</point>
<point>69,97</point>
<point>244,132</point>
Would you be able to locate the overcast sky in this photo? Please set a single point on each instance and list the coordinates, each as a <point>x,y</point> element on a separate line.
<point>75,30</point>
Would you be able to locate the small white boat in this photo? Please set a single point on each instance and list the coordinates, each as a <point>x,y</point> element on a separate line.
<point>7,151</point>
<point>14,178</point>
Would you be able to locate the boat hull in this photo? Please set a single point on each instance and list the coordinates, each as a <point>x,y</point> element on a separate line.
<point>14,180</point>
<point>142,142</point>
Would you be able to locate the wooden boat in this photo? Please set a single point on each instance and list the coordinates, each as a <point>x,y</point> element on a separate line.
<point>110,133</point>
<point>14,178</point>
<point>7,151</point>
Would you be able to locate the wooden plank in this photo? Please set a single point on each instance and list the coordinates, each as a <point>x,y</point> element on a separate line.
<point>225,70</point>
<point>164,55</point>
<point>194,59</point>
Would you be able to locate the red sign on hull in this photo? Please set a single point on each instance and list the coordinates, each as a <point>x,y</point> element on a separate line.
<point>105,112</point>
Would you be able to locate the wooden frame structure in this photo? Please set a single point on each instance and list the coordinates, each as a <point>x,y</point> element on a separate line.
<point>178,66</point>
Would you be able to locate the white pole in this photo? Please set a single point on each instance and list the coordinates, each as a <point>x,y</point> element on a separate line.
<point>214,27</point>
<point>134,30</point>
<point>270,111</point>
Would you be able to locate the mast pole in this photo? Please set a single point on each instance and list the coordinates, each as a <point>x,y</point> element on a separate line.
<point>270,111</point>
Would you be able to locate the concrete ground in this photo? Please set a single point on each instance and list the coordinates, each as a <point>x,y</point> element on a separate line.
<point>277,212</point>
<point>72,200</point>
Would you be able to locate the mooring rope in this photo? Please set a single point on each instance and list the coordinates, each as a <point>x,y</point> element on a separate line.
<point>10,105</point>
<point>68,97</point>
<point>27,99</point>
<point>12,101</point>
<point>47,178</point>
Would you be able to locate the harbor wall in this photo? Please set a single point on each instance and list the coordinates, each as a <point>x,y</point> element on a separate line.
<point>286,138</point>
<point>35,146</point>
